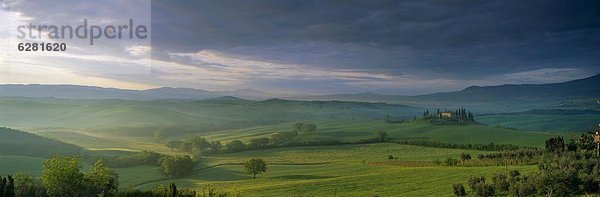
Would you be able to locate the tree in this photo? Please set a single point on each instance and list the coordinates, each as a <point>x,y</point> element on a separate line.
<point>198,143</point>
<point>465,156</point>
<point>173,190</point>
<point>556,144</point>
<point>572,146</point>
<point>103,180</point>
<point>277,138</point>
<point>2,185</point>
<point>298,126</point>
<point>484,190</point>
<point>522,188</point>
<point>23,184</point>
<point>174,144</point>
<point>235,146</point>
<point>451,162</point>
<point>62,176</point>
<point>9,189</point>
<point>388,118</point>
<point>309,128</point>
<point>215,146</point>
<point>176,166</point>
<point>558,182</point>
<point>459,189</point>
<point>257,143</point>
<point>382,136</point>
<point>255,166</point>
<point>500,182</point>
<point>474,181</point>
<point>586,142</point>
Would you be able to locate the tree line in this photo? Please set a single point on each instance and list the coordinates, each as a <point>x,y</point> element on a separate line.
<point>198,146</point>
<point>571,169</point>
<point>64,176</point>
<point>437,144</point>
<point>459,116</point>
<point>170,166</point>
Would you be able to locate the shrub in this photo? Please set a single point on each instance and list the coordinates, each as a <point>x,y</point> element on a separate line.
<point>459,189</point>
<point>522,188</point>
<point>500,182</point>
<point>451,162</point>
<point>465,156</point>
<point>484,190</point>
<point>474,181</point>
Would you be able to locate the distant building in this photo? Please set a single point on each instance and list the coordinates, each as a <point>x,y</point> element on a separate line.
<point>447,114</point>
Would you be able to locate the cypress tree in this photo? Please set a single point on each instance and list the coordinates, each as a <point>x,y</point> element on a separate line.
<point>173,189</point>
<point>9,190</point>
<point>2,185</point>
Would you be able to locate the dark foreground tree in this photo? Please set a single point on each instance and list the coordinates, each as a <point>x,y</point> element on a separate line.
<point>255,166</point>
<point>7,186</point>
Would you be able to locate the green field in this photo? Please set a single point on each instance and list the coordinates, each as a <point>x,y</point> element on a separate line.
<point>579,122</point>
<point>347,169</point>
<point>322,171</point>
<point>358,153</point>
<point>347,131</point>
<point>10,164</point>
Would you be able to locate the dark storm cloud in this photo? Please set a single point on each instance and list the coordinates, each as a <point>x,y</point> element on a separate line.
<point>455,39</point>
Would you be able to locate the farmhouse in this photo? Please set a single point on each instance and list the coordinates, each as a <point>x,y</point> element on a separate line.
<point>447,114</point>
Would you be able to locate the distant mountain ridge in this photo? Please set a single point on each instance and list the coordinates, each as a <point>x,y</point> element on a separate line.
<point>93,92</point>
<point>579,94</point>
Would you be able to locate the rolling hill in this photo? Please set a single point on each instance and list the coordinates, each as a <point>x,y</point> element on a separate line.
<point>19,143</point>
<point>576,94</point>
<point>353,131</point>
<point>130,117</point>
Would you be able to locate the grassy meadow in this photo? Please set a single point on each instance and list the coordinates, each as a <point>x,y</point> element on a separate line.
<point>351,131</point>
<point>109,128</point>
<point>563,123</point>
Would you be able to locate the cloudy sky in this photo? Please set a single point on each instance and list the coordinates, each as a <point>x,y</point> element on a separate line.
<point>317,47</point>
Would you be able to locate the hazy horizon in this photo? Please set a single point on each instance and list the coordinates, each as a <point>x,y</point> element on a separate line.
<point>281,93</point>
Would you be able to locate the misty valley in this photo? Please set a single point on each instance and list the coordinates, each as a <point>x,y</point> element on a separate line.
<point>230,146</point>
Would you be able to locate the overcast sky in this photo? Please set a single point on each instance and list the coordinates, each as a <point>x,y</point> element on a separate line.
<point>317,47</point>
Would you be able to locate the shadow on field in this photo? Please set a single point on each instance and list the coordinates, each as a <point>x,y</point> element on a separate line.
<point>222,173</point>
<point>303,177</point>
